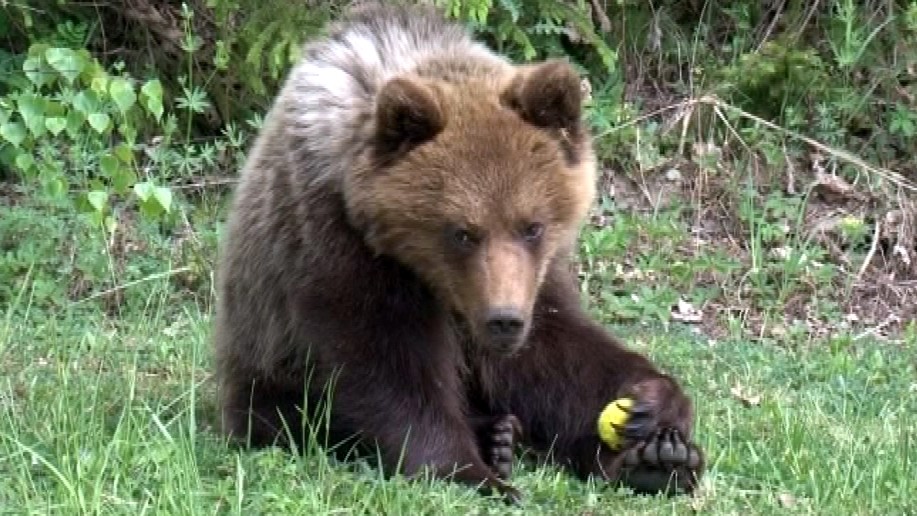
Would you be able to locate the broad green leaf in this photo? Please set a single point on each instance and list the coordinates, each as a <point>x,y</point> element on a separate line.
<point>54,187</point>
<point>32,110</point>
<point>37,127</point>
<point>99,122</point>
<point>94,217</point>
<point>164,196</point>
<point>122,179</point>
<point>13,132</point>
<point>38,71</point>
<point>151,96</point>
<point>25,161</point>
<point>128,131</point>
<point>123,94</point>
<point>66,62</point>
<point>96,184</point>
<point>99,84</point>
<point>98,199</point>
<point>38,49</point>
<point>87,102</point>
<point>75,121</point>
<point>55,107</point>
<point>56,124</point>
<point>110,223</point>
<point>144,190</point>
<point>90,66</point>
<point>150,209</point>
<point>123,152</point>
<point>109,164</point>
<point>221,56</point>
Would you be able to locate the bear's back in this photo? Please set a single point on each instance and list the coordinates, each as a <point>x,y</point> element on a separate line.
<point>326,104</point>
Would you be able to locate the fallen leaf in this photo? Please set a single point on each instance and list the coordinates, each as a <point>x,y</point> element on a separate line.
<point>699,502</point>
<point>787,500</point>
<point>747,399</point>
<point>685,312</point>
<point>833,188</point>
<point>586,88</point>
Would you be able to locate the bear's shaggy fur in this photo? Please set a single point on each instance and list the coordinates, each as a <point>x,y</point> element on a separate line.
<point>402,229</point>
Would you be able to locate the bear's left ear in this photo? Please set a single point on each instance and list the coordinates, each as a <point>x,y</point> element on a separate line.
<point>407,114</point>
<point>547,95</point>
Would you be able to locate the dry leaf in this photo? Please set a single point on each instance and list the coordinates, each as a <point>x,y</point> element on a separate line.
<point>747,399</point>
<point>786,500</point>
<point>686,313</point>
<point>832,188</point>
<point>586,88</point>
<point>699,501</point>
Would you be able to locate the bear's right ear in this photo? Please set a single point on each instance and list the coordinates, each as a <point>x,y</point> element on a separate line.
<point>407,114</point>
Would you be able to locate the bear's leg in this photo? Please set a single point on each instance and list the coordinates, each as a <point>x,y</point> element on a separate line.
<point>409,407</point>
<point>657,453</point>
<point>260,413</point>
<point>423,434</point>
<point>497,438</point>
<point>569,371</point>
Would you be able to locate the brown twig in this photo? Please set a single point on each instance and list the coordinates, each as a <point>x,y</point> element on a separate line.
<point>129,284</point>
<point>715,102</point>
<point>872,250</point>
<point>599,12</point>
<point>147,16</point>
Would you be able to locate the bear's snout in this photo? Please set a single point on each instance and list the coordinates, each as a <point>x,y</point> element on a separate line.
<point>505,328</point>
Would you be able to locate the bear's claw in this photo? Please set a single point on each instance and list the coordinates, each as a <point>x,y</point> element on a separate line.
<point>640,422</point>
<point>500,442</point>
<point>664,463</point>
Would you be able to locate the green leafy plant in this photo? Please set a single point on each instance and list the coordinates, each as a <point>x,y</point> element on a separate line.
<point>537,29</point>
<point>76,126</point>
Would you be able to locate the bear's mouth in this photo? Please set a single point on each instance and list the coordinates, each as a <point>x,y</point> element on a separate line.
<point>503,330</point>
<point>504,346</point>
<point>487,343</point>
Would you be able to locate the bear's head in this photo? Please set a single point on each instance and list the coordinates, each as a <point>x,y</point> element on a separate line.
<point>477,187</point>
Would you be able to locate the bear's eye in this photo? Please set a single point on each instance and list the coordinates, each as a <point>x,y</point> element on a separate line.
<point>533,231</point>
<point>463,238</point>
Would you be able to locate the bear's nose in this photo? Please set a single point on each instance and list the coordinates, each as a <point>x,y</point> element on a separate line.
<point>505,322</point>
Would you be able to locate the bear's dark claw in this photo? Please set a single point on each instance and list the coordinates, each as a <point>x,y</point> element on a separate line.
<point>663,463</point>
<point>640,422</point>
<point>498,445</point>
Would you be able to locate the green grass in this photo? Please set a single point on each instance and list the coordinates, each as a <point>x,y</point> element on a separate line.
<point>115,415</point>
<point>105,400</point>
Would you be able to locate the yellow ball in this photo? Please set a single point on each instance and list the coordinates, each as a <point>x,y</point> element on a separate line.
<point>615,414</point>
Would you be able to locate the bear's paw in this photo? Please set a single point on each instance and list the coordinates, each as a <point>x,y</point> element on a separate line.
<point>665,463</point>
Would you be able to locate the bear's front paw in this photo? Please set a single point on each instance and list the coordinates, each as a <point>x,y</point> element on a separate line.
<point>498,445</point>
<point>644,409</point>
<point>666,462</point>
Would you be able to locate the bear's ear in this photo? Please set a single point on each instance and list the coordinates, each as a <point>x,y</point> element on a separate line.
<point>547,95</point>
<point>407,114</point>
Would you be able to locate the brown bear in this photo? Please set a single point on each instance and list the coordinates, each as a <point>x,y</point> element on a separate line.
<point>400,241</point>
